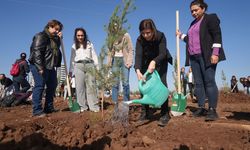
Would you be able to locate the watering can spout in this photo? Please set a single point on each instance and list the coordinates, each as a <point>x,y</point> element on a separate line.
<point>128,102</point>
<point>145,100</point>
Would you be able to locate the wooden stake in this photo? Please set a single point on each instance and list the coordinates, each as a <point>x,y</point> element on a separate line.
<point>178,55</point>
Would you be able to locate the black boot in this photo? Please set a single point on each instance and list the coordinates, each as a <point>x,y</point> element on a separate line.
<point>164,120</point>
<point>144,114</point>
<point>165,117</point>
<point>201,111</point>
<point>211,115</point>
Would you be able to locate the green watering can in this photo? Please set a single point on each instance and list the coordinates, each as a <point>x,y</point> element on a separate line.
<point>154,92</point>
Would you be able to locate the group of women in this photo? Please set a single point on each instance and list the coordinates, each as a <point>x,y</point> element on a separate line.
<point>204,51</point>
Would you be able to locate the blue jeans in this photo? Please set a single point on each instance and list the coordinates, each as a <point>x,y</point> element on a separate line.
<point>21,81</point>
<point>204,79</point>
<point>121,74</point>
<point>49,79</point>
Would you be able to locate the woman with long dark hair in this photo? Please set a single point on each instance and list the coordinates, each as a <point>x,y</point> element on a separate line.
<point>204,51</point>
<point>83,60</point>
<point>152,54</point>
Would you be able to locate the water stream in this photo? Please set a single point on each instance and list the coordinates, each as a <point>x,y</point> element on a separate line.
<point>120,114</point>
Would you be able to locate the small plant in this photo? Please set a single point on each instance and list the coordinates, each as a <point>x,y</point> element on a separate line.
<point>225,87</point>
<point>104,77</point>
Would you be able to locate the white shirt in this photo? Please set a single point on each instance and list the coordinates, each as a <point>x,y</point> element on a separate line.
<point>190,77</point>
<point>84,54</point>
<point>73,82</point>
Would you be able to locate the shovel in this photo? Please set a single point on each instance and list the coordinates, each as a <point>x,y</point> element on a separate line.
<point>179,101</point>
<point>73,105</point>
<point>154,92</point>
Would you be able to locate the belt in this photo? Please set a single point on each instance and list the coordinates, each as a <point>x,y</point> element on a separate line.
<point>85,61</point>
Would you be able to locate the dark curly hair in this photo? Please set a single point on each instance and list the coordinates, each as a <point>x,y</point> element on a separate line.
<point>199,3</point>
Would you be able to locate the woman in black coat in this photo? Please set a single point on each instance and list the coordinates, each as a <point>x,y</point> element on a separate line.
<point>204,50</point>
<point>152,54</point>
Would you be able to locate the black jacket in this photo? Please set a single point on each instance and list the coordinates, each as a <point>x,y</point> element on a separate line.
<point>41,53</point>
<point>156,50</point>
<point>6,82</point>
<point>210,33</point>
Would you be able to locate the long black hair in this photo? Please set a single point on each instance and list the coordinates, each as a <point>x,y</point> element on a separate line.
<point>85,40</point>
<point>148,24</point>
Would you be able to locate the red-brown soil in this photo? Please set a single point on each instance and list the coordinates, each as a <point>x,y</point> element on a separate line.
<point>65,130</point>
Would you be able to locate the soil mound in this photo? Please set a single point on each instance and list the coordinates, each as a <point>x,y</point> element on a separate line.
<point>89,131</point>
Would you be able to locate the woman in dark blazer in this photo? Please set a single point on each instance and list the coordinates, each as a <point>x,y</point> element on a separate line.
<point>204,50</point>
<point>152,54</point>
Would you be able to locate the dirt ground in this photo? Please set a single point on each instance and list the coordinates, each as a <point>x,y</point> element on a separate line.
<point>65,130</point>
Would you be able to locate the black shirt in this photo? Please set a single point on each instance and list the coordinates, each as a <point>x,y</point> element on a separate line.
<point>156,50</point>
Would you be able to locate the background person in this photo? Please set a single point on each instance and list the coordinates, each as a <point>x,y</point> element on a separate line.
<point>61,90</point>
<point>5,83</point>
<point>204,51</point>
<point>191,84</point>
<point>20,79</point>
<point>184,80</point>
<point>73,86</point>
<point>234,84</point>
<point>45,55</point>
<point>152,54</point>
<point>247,80</point>
<point>121,60</point>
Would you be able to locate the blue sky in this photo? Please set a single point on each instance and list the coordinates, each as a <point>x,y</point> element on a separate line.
<point>21,19</point>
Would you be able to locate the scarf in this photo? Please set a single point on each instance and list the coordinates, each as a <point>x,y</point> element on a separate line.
<point>53,46</point>
<point>52,43</point>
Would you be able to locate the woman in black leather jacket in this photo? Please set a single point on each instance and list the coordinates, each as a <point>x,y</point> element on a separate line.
<point>45,55</point>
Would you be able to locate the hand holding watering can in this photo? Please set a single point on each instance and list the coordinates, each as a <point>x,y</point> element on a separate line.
<point>151,68</point>
<point>154,92</point>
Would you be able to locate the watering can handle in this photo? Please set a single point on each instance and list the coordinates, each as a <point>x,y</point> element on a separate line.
<point>143,81</point>
<point>155,72</point>
<point>145,75</point>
